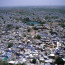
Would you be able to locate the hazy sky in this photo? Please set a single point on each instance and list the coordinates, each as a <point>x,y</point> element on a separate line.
<point>31,2</point>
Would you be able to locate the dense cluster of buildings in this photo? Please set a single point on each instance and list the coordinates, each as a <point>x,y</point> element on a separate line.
<point>21,43</point>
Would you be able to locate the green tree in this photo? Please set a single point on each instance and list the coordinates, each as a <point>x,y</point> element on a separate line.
<point>9,26</point>
<point>34,61</point>
<point>24,35</point>
<point>22,64</point>
<point>35,28</point>
<point>32,24</point>
<point>47,17</point>
<point>52,32</point>
<point>17,27</point>
<point>59,61</point>
<point>62,25</point>
<point>38,37</point>
<point>10,45</point>
<point>4,63</point>
<point>26,19</point>
<point>29,29</point>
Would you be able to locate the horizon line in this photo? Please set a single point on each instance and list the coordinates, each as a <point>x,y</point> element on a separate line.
<point>32,5</point>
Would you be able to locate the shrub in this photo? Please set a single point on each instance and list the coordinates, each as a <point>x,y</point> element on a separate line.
<point>38,37</point>
<point>41,61</point>
<point>54,17</point>
<point>25,20</point>
<point>10,39</point>
<point>4,22</point>
<point>42,22</point>
<point>17,18</point>
<point>23,64</point>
